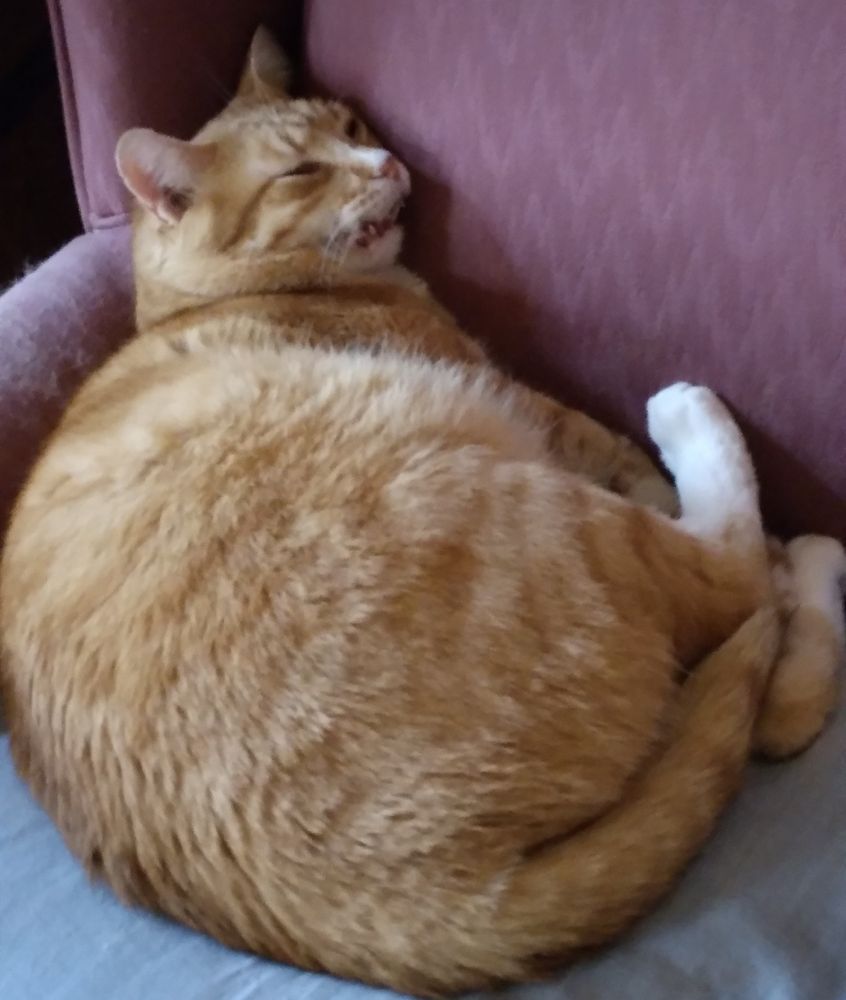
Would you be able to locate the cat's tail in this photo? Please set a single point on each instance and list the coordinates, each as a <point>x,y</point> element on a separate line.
<point>584,890</point>
<point>803,688</point>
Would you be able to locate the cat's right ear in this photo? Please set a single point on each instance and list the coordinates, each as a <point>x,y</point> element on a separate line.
<point>267,72</point>
<point>161,172</point>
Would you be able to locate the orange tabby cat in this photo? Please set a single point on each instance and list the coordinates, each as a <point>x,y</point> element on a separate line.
<point>317,634</point>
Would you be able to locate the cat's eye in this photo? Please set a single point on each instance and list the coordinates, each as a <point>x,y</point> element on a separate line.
<point>302,169</point>
<point>351,129</point>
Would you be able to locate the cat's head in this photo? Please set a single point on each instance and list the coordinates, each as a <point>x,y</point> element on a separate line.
<point>269,177</point>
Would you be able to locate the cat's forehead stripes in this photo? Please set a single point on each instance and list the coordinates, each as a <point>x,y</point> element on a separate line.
<point>309,129</point>
<point>310,133</point>
<point>293,115</point>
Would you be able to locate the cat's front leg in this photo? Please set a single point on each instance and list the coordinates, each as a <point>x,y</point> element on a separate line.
<point>610,460</point>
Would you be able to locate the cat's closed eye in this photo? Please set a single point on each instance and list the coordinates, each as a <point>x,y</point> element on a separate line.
<point>351,129</point>
<point>301,169</point>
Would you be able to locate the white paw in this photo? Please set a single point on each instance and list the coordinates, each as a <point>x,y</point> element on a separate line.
<point>682,417</point>
<point>818,554</point>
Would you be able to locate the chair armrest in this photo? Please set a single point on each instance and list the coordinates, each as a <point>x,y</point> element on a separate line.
<point>56,325</point>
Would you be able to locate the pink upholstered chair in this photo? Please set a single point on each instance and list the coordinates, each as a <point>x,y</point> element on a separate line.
<point>614,194</point>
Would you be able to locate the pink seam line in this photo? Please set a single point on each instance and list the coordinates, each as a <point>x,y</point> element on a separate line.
<point>109,221</point>
<point>69,107</point>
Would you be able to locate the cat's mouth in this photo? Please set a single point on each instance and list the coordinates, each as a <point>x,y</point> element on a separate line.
<point>371,230</point>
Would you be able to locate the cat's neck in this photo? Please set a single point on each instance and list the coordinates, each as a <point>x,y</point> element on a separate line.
<point>162,294</point>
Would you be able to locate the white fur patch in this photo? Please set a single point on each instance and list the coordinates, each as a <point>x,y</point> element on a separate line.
<point>704,450</point>
<point>366,156</point>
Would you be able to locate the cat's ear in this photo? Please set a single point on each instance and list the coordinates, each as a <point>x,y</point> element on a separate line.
<point>267,72</point>
<point>162,173</point>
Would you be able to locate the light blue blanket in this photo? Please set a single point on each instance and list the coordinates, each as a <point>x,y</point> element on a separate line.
<point>761,916</point>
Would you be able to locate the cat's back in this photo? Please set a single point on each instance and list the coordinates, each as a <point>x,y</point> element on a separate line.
<point>194,462</point>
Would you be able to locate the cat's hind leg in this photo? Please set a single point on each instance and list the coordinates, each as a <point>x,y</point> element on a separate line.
<point>588,448</point>
<point>703,448</point>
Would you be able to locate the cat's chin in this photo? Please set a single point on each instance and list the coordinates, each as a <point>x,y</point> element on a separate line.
<point>378,253</point>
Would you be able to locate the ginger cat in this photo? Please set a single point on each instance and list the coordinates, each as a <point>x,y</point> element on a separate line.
<point>323,636</point>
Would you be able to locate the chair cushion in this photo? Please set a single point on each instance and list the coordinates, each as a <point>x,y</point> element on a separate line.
<point>56,324</point>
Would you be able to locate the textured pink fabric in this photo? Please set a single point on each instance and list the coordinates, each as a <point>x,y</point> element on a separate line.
<point>164,64</point>
<point>621,193</point>
<point>57,324</point>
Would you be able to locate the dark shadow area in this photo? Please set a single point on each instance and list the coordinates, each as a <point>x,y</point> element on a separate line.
<point>37,202</point>
<point>799,488</point>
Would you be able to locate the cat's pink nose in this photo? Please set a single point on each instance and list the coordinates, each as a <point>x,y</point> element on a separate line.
<point>391,169</point>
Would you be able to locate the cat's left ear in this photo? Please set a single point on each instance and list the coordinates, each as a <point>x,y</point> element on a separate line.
<point>163,173</point>
<point>267,72</point>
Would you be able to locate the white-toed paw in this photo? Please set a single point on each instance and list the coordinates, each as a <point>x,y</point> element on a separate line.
<point>683,419</point>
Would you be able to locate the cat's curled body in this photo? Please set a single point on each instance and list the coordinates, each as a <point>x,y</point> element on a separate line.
<point>310,638</point>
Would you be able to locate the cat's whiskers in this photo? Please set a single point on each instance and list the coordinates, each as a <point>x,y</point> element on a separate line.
<point>335,249</point>
<point>341,236</point>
